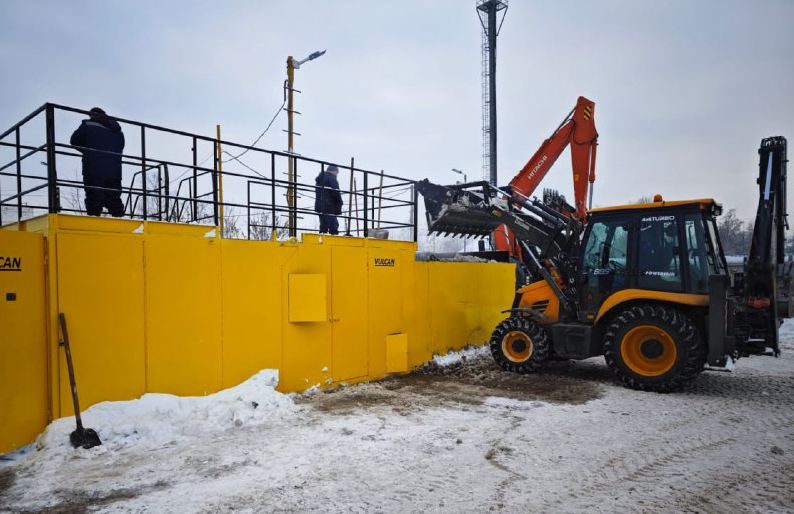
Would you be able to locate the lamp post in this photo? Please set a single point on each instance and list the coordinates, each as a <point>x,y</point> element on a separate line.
<point>293,65</point>
<point>465,180</point>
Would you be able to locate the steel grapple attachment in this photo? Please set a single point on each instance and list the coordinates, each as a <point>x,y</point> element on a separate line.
<point>457,211</point>
<point>477,209</point>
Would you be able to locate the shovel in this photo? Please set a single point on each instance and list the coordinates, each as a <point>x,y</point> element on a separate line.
<point>85,437</point>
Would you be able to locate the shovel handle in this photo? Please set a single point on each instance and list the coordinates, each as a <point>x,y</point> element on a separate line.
<point>70,366</point>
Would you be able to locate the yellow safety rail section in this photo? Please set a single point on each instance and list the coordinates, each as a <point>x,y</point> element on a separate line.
<point>159,307</point>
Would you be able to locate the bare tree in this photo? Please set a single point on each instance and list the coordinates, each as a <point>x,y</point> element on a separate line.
<point>735,235</point>
<point>231,226</point>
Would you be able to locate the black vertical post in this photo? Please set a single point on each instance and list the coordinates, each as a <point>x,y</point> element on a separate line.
<point>143,172</point>
<point>52,174</point>
<point>167,193</point>
<point>160,187</point>
<point>19,175</point>
<point>366,211</point>
<point>248,209</point>
<point>272,192</point>
<point>416,212</point>
<point>195,179</point>
<point>215,160</point>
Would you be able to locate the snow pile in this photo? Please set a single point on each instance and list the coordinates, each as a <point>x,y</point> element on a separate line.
<point>158,420</point>
<point>468,353</point>
<point>465,258</point>
<point>786,339</point>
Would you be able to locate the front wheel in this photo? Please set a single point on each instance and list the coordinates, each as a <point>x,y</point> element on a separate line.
<point>519,345</point>
<point>653,348</point>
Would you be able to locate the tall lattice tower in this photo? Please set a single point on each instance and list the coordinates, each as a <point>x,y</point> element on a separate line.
<point>488,11</point>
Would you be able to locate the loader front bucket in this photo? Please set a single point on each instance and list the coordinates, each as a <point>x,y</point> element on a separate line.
<point>456,211</point>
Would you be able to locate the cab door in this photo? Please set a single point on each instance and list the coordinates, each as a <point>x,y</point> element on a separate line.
<point>659,252</point>
<point>604,266</point>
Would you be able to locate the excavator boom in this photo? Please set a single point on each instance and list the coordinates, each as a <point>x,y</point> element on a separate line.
<point>578,130</point>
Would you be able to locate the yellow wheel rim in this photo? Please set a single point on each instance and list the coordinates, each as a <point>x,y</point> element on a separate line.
<point>516,346</point>
<point>648,350</point>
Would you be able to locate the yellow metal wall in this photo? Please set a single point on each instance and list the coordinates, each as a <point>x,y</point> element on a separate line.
<point>23,343</point>
<point>156,307</point>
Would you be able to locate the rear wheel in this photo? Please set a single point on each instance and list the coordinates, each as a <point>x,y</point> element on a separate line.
<point>519,345</point>
<point>653,348</point>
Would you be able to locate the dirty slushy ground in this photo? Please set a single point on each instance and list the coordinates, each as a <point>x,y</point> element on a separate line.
<point>463,437</point>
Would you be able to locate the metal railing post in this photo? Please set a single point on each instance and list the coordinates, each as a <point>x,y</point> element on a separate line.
<point>415,212</point>
<point>19,175</point>
<point>195,179</point>
<point>350,196</point>
<point>143,173</point>
<point>217,157</point>
<point>167,188</point>
<point>273,195</point>
<point>248,209</point>
<point>366,209</point>
<point>52,175</point>
<point>159,193</point>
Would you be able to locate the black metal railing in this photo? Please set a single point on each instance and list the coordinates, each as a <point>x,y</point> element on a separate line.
<point>175,176</point>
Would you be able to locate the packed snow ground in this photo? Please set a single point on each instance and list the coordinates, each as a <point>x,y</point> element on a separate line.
<point>458,436</point>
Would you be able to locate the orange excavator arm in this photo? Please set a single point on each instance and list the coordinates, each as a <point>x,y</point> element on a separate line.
<point>578,130</point>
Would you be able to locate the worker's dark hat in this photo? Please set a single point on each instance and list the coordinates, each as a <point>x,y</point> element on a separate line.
<point>96,111</point>
<point>332,167</point>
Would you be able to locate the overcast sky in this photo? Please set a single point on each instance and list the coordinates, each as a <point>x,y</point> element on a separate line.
<point>684,89</point>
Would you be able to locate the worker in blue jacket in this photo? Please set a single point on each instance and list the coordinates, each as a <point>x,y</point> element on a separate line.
<point>100,140</point>
<point>328,200</point>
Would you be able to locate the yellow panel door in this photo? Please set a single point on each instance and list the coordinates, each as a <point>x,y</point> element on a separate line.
<point>252,308</point>
<point>350,348</point>
<point>100,290</point>
<point>183,315</point>
<point>23,347</point>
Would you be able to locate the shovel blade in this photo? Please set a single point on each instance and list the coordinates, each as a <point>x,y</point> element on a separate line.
<point>84,437</point>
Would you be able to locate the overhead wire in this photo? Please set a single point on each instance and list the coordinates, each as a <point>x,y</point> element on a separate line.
<point>235,157</point>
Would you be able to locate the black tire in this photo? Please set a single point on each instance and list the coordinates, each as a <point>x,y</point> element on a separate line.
<point>519,345</point>
<point>653,348</point>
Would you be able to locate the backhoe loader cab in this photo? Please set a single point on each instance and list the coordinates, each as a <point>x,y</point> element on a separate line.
<point>666,248</point>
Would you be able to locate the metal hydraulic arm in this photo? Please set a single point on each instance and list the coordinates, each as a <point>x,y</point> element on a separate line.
<point>468,212</point>
<point>548,238</point>
<point>767,282</point>
<point>577,130</point>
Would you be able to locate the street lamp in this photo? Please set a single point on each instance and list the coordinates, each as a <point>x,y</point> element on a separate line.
<point>465,180</point>
<point>293,65</point>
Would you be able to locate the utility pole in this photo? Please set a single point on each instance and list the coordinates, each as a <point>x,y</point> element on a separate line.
<point>289,86</point>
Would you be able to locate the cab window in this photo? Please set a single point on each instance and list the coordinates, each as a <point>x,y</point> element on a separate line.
<point>658,260</point>
<point>701,265</point>
<point>606,247</point>
<point>715,250</point>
